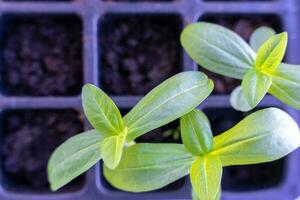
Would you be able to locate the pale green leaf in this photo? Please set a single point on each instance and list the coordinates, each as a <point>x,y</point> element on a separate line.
<point>286,84</point>
<point>74,157</point>
<point>206,174</point>
<point>271,53</point>
<point>146,167</point>
<point>255,85</point>
<point>170,100</point>
<point>196,133</point>
<point>218,49</point>
<point>101,111</point>
<point>112,149</point>
<point>238,100</point>
<point>195,197</point>
<point>263,136</point>
<point>259,36</point>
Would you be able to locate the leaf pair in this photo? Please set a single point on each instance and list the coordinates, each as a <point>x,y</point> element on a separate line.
<point>170,100</point>
<point>146,167</point>
<point>224,52</point>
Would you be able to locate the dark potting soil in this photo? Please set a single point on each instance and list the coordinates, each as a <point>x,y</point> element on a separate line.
<point>244,25</point>
<point>246,177</point>
<point>42,55</point>
<point>138,52</point>
<point>29,138</point>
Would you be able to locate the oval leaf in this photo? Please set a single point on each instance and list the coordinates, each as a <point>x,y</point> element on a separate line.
<point>238,100</point>
<point>112,149</point>
<point>259,36</point>
<point>271,53</point>
<point>170,100</point>
<point>217,49</point>
<point>101,111</point>
<point>255,85</point>
<point>196,133</point>
<point>286,84</point>
<point>263,136</point>
<point>72,158</point>
<point>206,174</point>
<point>146,167</point>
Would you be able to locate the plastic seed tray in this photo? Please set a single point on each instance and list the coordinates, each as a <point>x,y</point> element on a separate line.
<point>49,49</point>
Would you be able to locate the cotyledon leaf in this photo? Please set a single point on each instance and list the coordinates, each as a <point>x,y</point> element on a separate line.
<point>271,53</point>
<point>206,174</point>
<point>112,149</point>
<point>255,86</point>
<point>72,158</point>
<point>218,49</point>
<point>101,111</point>
<point>286,84</point>
<point>170,100</point>
<point>263,136</point>
<point>145,167</point>
<point>259,36</point>
<point>196,133</point>
<point>238,100</point>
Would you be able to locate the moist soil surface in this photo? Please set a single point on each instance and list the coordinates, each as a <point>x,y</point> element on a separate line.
<point>246,177</point>
<point>138,52</point>
<point>244,25</point>
<point>42,56</point>
<point>30,137</point>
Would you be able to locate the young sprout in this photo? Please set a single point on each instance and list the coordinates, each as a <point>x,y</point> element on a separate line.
<point>224,52</point>
<point>263,136</point>
<point>170,100</point>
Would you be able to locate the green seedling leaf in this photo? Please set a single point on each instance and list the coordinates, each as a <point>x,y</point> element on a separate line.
<point>170,100</point>
<point>271,53</point>
<point>263,136</point>
<point>196,133</point>
<point>101,111</point>
<point>146,167</point>
<point>72,158</point>
<point>238,100</point>
<point>206,174</point>
<point>218,49</point>
<point>286,84</point>
<point>259,36</point>
<point>255,85</point>
<point>112,149</point>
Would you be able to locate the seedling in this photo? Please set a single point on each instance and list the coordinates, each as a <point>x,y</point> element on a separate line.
<point>224,52</point>
<point>263,136</point>
<point>170,100</point>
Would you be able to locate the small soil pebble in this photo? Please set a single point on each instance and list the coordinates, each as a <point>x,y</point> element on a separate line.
<point>246,177</point>
<point>42,55</point>
<point>244,25</point>
<point>29,138</point>
<point>138,52</point>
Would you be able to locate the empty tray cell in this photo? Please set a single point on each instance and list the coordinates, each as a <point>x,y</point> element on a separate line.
<point>244,25</point>
<point>138,52</point>
<point>41,55</point>
<point>28,138</point>
<point>245,177</point>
